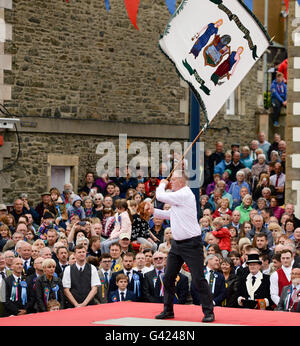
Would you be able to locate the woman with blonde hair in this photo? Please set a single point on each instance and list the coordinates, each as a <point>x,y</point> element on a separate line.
<point>264,181</point>
<point>166,245</point>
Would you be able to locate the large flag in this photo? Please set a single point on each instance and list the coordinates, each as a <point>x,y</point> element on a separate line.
<point>213,44</point>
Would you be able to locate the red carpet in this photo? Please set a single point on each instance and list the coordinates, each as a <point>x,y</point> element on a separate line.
<point>86,316</point>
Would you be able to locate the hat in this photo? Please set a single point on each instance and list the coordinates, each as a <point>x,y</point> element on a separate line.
<point>228,171</point>
<point>3,206</point>
<point>48,215</point>
<point>235,145</point>
<point>124,236</point>
<point>253,258</point>
<point>46,193</point>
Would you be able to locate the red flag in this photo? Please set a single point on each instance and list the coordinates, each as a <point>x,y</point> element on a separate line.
<point>132,7</point>
<point>286,4</point>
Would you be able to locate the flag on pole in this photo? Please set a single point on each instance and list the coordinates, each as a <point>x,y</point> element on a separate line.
<point>213,44</point>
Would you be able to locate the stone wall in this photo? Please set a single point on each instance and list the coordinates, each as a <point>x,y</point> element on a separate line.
<point>76,62</point>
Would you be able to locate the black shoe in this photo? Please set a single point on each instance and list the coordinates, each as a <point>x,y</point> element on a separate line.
<point>208,318</point>
<point>165,315</point>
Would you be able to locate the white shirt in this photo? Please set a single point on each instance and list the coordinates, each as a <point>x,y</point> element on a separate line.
<point>129,275</point>
<point>95,280</point>
<point>108,273</point>
<point>274,288</point>
<point>119,291</point>
<point>147,269</point>
<point>281,180</point>
<point>207,275</point>
<point>182,214</point>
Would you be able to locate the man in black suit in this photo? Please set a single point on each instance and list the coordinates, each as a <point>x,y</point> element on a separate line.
<point>61,259</point>
<point>215,279</point>
<point>153,288</point>
<point>25,252</point>
<point>31,279</point>
<point>16,291</point>
<point>135,279</point>
<point>254,288</point>
<point>122,294</point>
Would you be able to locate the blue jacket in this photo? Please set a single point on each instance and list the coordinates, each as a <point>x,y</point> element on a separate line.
<point>220,167</point>
<point>247,161</point>
<point>278,91</point>
<point>235,190</point>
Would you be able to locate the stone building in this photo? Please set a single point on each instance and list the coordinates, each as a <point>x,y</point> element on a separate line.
<point>292,128</point>
<point>76,75</point>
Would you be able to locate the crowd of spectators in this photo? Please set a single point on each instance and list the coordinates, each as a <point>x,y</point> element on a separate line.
<point>99,245</point>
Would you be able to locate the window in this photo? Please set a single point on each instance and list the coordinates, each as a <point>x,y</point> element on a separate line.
<point>60,175</point>
<point>230,104</point>
<point>62,169</point>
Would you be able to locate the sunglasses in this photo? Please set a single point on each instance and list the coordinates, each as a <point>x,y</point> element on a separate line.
<point>158,258</point>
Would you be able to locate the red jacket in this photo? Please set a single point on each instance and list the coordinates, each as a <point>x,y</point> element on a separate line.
<point>282,280</point>
<point>283,68</point>
<point>218,214</point>
<point>225,238</point>
<point>150,187</point>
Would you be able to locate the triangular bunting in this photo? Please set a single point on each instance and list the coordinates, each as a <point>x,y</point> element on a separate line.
<point>132,7</point>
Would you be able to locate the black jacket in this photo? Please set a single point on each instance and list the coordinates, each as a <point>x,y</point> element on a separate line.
<point>13,307</point>
<point>42,284</point>
<point>130,287</point>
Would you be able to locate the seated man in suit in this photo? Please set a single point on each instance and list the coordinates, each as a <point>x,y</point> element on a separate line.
<point>153,290</point>
<point>122,293</point>
<point>16,291</point>
<point>215,279</point>
<point>254,288</point>
<point>290,296</point>
<point>135,279</point>
<point>115,252</point>
<point>104,276</point>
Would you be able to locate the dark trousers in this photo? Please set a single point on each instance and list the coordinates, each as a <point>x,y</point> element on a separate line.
<point>189,251</point>
<point>276,104</point>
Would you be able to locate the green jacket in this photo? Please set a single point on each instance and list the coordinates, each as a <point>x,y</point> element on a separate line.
<point>244,212</point>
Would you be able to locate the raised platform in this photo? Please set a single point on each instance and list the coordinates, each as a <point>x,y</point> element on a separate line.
<point>142,314</point>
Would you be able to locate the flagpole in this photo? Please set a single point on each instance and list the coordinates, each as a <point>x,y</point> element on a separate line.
<point>184,154</point>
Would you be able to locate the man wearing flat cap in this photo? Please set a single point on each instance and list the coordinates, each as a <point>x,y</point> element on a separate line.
<point>254,288</point>
<point>3,209</point>
<point>44,204</point>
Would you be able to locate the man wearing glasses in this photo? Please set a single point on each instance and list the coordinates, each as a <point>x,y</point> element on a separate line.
<point>104,276</point>
<point>153,287</point>
<point>186,245</point>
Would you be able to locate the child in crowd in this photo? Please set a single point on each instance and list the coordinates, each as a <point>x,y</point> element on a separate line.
<point>48,222</point>
<point>206,226</point>
<point>76,208</point>
<point>223,234</point>
<point>107,222</point>
<point>122,293</point>
<point>53,305</point>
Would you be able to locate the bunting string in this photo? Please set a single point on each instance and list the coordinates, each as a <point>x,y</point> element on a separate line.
<point>132,7</point>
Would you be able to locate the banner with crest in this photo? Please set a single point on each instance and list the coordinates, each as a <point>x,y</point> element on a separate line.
<point>213,44</point>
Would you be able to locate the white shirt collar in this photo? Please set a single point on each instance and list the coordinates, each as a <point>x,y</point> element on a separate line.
<point>78,266</point>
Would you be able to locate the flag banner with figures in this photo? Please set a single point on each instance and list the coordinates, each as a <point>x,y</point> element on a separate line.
<point>213,44</point>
